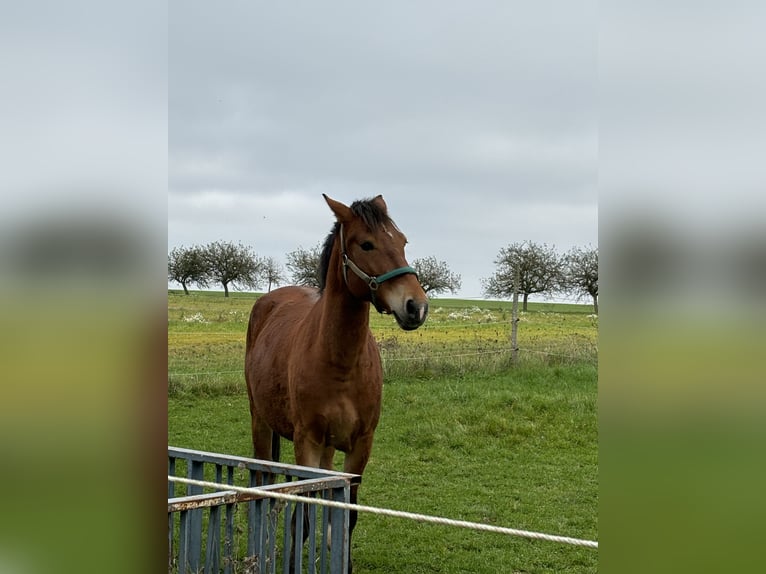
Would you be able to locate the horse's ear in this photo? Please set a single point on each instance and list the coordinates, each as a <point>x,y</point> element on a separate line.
<point>380,203</point>
<point>341,211</point>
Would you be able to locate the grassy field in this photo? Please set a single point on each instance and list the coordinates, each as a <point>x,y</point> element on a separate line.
<point>206,339</point>
<point>468,437</point>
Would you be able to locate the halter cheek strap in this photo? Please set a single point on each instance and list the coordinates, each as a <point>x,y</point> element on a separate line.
<point>373,282</point>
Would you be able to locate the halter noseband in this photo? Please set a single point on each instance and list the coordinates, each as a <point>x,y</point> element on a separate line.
<point>373,282</point>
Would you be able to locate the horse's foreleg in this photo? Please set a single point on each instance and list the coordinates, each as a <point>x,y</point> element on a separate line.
<point>307,453</point>
<point>355,463</point>
<point>328,455</point>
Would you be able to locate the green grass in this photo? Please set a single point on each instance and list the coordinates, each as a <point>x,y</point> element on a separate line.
<point>480,440</point>
<point>517,450</point>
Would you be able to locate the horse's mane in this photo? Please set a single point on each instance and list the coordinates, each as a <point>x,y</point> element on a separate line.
<point>372,215</point>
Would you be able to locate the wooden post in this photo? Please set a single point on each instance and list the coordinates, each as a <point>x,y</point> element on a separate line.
<point>515,317</point>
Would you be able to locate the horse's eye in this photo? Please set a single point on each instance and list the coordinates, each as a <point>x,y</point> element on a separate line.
<point>367,246</point>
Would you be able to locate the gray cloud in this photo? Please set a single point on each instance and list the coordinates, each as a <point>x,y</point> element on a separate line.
<point>477,123</point>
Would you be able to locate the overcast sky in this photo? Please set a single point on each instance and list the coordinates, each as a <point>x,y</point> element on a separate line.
<point>477,122</point>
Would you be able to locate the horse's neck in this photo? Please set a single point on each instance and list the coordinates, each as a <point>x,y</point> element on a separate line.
<point>344,326</point>
<point>345,320</point>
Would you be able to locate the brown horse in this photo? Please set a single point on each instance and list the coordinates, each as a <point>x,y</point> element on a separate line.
<point>312,367</point>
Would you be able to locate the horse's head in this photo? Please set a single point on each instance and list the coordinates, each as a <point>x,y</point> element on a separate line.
<point>374,268</point>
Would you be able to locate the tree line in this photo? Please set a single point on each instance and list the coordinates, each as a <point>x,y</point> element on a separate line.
<point>238,266</point>
<point>539,269</point>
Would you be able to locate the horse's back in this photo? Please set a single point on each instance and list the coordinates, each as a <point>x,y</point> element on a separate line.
<point>279,311</point>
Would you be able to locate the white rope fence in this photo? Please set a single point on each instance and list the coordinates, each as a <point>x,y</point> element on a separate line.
<point>391,513</point>
<point>200,373</point>
<point>446,356</point>
<point>412,358</point>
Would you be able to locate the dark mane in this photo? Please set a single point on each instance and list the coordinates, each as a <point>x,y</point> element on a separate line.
<point>373,217</point>
<point>324,259</point>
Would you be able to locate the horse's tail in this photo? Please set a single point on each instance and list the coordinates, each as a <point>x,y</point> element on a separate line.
<point>252,328</point>
<point>275,446</point>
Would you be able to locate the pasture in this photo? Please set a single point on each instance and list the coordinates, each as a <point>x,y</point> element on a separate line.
<point>463,433</point>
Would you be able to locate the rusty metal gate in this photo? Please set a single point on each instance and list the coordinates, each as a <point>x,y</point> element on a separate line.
<point>237,533</point>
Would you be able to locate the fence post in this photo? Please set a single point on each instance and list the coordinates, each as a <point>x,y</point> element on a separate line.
<point>515,316</point>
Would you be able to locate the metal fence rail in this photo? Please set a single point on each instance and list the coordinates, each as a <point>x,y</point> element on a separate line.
<point>235,532</point>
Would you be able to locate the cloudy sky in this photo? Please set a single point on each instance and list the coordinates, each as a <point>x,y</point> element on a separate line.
<point>477,122</point>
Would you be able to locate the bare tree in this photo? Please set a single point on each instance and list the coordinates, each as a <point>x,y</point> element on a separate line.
<point>235,265</point>
<point>273,272</point>
<point>581,273</point>
<point>303,265</point>
<point>187,265</point>
<point>435,276</point>
<point>539,269</point>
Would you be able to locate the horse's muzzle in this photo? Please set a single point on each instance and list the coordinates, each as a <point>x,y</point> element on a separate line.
<point>415,313</point>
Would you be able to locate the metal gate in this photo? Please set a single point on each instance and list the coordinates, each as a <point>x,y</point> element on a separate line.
<point>237,533</point>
